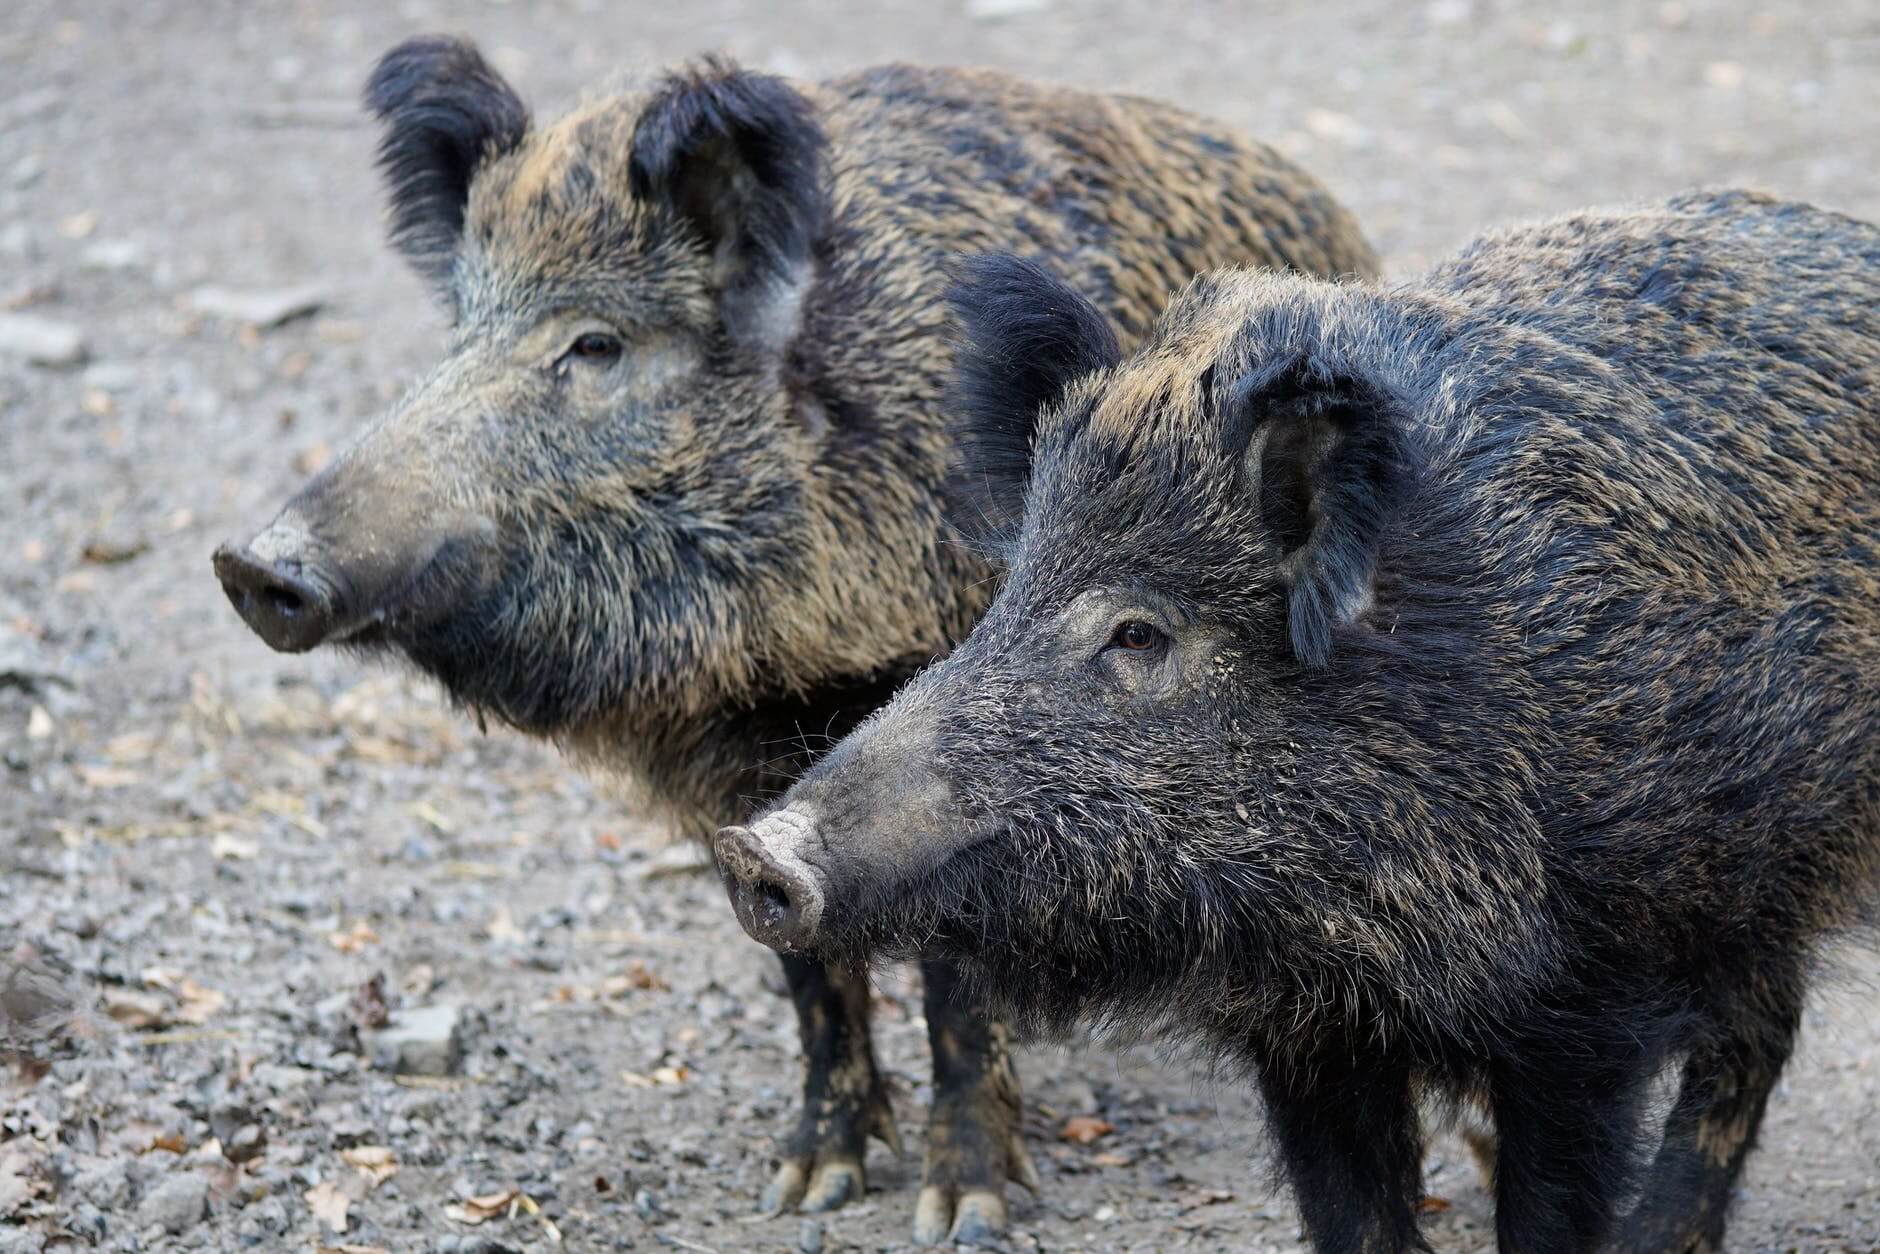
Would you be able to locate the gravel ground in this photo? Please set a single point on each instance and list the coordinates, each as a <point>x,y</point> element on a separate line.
<point>234,864</point>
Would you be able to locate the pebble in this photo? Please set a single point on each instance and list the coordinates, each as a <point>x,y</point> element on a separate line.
<point>426,1040</point>
<point>258,307</point>
<point>41,341</point>
<point>112,254</point>
<point>177,1204</point>
<point>997,10</point>
<point>809,1237</point>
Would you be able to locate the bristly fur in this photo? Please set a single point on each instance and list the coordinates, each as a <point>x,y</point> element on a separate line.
<point>1581,786</point>
<point>445,113</point>
<point>1024,336</point>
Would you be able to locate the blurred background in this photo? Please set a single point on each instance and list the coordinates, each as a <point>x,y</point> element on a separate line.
<point>218,866</point>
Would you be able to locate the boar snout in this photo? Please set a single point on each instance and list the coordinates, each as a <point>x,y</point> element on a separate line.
<point>286,598</point>
<point>778,897</point>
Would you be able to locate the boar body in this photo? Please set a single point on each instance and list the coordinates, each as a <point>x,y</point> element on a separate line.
<point>1471,687</point>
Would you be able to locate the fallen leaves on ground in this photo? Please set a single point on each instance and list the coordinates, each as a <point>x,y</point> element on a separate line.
<point>353,939</point>
<point>134,1009</point>
<point>662,1077</point>
<point>104,777</point>
<point>196,1004</point>
<point>375,1162</point>
<point>1085,1129</point>
<point>503,930</point>
<point>329,1205</point>
<point>508,1204</point>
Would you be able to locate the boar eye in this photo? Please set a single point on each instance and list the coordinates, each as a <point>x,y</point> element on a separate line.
<point>1137,636</point>
<point>596,347</point>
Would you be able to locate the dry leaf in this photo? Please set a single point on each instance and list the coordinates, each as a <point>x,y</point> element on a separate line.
<point>199,1004</point>
<point>373,1161</point>
<point>1112,1158</point>
<point>474,1210</point>
<point>353,939</point>
<point>113,550</point>
<point>503,929</point>
<point>106,776</point>
<point>428,812</point>
<point>1434,1205</point>
<point>329,1205</point>
<point>169,1143</point>
<point>1085,1129</point>
<point>636,976</point>
<point>662,1077</point>
<point>131,747</point>
<point>134,1009</point>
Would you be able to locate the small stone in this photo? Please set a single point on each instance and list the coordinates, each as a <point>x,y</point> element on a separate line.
<point>998,10</point>
<point>425,1040</point>
<point>260,307</point>
<point>111,254</point>
<point>177,1204</point>
<point>41,341</point>
<point>246,1144</point>
<point>104,1182</point>
<point>809,1237</point>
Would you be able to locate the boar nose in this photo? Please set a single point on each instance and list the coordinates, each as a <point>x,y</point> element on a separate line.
<point>776,896</point>
<point>288,603</point>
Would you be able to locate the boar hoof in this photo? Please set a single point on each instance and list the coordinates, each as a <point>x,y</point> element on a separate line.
<point>974,1218</point>
<point>830,1175</point>
<point>834,1183</point>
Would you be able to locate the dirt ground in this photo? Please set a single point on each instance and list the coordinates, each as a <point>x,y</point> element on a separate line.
<point>214,851</point>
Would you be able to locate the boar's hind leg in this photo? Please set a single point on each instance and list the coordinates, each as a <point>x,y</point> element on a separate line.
<point>975,1138</point>
<point>844,1101</point>
<point>1351,1144</point>
<point>1725,1087</point>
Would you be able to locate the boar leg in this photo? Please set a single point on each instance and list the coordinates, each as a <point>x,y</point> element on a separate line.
<point>1567,1127</point>
<point>1725,1087</point>
<point>975,1137</point>
<point>1351,1145</point>
<point>844,1100</point>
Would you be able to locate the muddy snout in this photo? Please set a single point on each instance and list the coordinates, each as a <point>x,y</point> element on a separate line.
<point>778,897</point>
<point>285,597</point>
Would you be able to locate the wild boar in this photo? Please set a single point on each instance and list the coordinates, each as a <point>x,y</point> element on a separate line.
<point>1469,687</point>
<point>673,496</point>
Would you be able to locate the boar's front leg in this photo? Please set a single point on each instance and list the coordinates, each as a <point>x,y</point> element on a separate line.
<point>1351,1145</point>
<point>844,1100</point>
<point>975,1134</point>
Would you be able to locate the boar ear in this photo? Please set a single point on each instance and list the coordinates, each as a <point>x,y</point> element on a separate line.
<point>739,156</point>
<point>1024,337</point>
<point>445,112</point>
<point>1327,456</point>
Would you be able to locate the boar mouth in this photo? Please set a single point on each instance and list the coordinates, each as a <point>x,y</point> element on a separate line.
<point>907,917</point>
